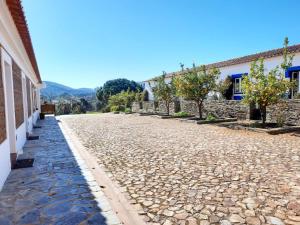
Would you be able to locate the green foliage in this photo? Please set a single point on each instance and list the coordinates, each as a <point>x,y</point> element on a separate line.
<point>113,87</point>
<point>225,88</point>
<point>182,114</point>
<point>127,110</point>
<point>210,117</point>
<point>164,91</point>
<point>122,100</point>
<point>114,108</point>
<point>63,108</point>
<point>195,85</point>
<point>266,89</point>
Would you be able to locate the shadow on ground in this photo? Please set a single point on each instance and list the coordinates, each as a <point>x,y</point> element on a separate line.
<point>58,189</point>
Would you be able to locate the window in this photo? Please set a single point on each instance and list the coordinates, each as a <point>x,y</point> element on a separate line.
<point>18,94</point>
<point>238,85</point>
<point>2,108</point>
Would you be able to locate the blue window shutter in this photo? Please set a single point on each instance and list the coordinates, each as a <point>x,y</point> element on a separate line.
<point>291,69</point>
<point>238,75</point>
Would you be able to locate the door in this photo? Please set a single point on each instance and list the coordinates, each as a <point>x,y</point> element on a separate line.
<point>295,89</point>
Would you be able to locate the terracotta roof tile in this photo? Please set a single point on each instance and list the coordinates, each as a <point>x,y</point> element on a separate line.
<point>17,13</point>
<point>244,59</point>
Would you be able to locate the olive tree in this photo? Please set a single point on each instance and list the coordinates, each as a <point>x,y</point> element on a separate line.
<point>164,91</point>
<point>266,89</point>
<point>196,84</point>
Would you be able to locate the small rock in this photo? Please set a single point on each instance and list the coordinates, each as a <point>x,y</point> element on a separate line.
<point>253,220</point>
<point>235,218</point>
<point>249,213</point>
<point>225,222</point>
<point>147,203</point>
<point>295,206</point>
<point>168,222</point>
<point>168,213</point>
<point>294,218</point>
<point>181,216</point>
<point>204,222</point>
<point>214,219</point>
<point>274,220</point>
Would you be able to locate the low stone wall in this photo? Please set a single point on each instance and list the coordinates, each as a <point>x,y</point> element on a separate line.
<point>220,108</point>
<point>135,107</point>
<point>174,107</point>
<point>288,110</point>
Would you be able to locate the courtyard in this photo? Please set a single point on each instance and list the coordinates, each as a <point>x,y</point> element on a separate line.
<point>188,174</point>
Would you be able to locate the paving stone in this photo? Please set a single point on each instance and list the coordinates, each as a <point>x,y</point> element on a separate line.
<point>54,190</point>
<point>206,171</point>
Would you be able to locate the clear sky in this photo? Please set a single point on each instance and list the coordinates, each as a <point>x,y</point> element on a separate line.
<point>83,43</point>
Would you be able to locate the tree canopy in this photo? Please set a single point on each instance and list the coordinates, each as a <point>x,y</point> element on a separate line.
<point>268,88</point>
<point>164,91</point>
<point>195,85</point>
<point>113,87</point>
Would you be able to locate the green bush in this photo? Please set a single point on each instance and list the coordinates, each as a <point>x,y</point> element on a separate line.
<point>127,110</point>
<point>114,108</point>
<point>181,114</point>
<point>210,117</point>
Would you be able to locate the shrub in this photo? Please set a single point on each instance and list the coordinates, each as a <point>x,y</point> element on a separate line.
<point>127,110</point>
<point>210,117</point>
<point>181,114</point>
<point>114,108</point>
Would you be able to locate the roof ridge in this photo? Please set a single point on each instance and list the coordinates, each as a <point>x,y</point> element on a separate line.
<point>243,59</point>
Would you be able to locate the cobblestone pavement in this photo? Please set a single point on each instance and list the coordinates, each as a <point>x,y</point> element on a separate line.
<point>58,189</point>
<point>188,174</point>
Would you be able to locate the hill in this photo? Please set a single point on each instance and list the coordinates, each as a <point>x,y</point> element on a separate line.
<point>54,90</point>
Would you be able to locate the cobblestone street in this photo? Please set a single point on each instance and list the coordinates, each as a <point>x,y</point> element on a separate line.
<point>57,190</point>
<point>188,174</point>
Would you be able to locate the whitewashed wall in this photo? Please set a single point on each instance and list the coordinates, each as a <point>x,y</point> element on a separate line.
<point>11,47</point>
<point>270,64</point>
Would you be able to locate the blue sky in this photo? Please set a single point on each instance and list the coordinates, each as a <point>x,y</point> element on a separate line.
<point>84,43</point>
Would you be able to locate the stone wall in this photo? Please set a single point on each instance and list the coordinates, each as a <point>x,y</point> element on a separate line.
<point>174,107</point>
<point>135,107</point>
<point>220,108</point>
<point>288,110</point>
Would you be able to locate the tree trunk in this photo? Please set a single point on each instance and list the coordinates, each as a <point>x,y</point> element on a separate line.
<point>200,109</point>
<point>168,107</point>
<point>263,112</point>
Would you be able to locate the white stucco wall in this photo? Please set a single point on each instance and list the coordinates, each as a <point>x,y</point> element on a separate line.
<point>12,48</point>
<point>4,162</point>
<point>270,64</point>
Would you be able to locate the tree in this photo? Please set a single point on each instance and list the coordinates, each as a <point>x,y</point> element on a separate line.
<point>113,87</point>
<point>195,85</point>
<point>122,100</point>
<point>164,91</point>
<point>267,89</point>
<point>225,88</point>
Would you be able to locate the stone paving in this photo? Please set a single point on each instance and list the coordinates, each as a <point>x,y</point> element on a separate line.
<point>188,174</point>
<point>58,189</point>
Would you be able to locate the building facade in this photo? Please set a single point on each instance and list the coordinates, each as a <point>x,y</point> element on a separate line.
<point>236,68</point>
<point>20,85</point>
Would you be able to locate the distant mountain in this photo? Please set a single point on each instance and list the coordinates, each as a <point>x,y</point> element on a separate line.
<point>54,90</point>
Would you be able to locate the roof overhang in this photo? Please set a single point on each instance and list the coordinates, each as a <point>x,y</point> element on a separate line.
<point>17,13</point>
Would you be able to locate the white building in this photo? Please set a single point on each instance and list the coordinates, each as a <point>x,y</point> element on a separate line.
<point>237,67</point>
<point>20,84</point>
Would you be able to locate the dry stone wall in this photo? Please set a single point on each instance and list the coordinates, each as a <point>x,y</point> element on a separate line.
<point>288,110</point>
<point>220,108</point>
